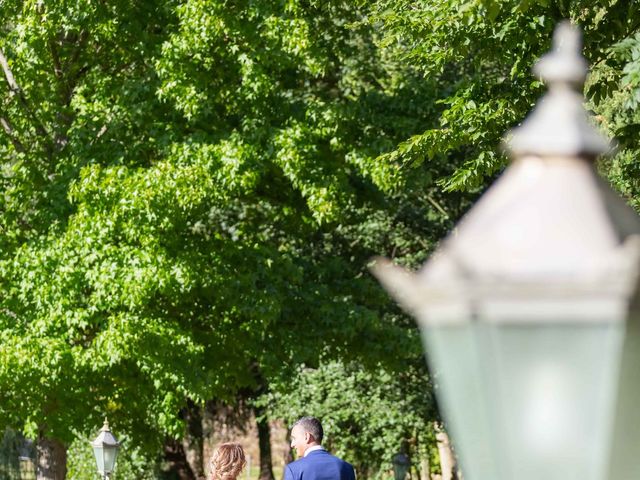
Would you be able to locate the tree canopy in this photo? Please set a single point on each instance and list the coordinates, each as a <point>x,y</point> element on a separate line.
<point>186,185</point>
<point>482,52</point>
<point>192,189</point>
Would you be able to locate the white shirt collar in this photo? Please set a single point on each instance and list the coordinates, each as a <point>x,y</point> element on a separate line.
<point>312,449</point>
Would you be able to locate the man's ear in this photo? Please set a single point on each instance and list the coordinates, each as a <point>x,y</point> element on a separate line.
<point>308,438</point>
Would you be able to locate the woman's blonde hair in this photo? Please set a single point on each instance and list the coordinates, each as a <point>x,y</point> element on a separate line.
<point>227,462</point>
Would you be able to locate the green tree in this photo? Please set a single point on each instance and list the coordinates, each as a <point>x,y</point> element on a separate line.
<point>191,189</point>
<point>186,183</point>
<point>368,415</point>
<point>483,51</point>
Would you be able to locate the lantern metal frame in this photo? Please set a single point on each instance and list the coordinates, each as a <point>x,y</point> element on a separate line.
<point>105,450</point>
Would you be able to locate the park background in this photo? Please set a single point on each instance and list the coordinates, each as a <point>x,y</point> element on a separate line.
<point>192,192</point>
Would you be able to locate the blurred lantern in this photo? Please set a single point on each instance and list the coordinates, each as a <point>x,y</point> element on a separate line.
<point>529,312</point>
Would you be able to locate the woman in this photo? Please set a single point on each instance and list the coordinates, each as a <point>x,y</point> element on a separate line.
<point>227,462</point>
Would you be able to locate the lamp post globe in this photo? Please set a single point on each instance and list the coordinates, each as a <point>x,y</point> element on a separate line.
<point>530,312</point>
<point>401,465</point>
<point>105,450</point>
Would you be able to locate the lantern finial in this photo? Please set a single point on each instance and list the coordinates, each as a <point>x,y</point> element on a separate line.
<point>559,125</point>
<point>564,65</point>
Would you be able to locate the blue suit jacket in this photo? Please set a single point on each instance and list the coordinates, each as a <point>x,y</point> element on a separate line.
<point>319,465</point>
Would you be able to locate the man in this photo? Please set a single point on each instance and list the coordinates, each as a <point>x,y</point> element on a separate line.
<point>314,462</point>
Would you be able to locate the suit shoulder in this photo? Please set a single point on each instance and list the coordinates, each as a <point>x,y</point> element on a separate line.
<point>343,464</point>
<point>347,467</point>
<point>296,464</point>
<point>342,461</point>
<point>293,470</point>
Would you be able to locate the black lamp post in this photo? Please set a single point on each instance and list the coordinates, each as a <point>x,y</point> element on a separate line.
<point>105,449</point>
<point>401,465</point>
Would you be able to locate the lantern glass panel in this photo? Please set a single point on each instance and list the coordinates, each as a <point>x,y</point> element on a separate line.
<point>454,355</point>
<point>110,454</point>
<point>98,454</point>
<point>528,401</point>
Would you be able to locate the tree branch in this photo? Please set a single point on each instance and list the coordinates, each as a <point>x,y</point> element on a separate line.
<point>6,126</point>
<point>80,44</point>
<point>57,66</point>
<point>67,76</point>
<point>15,89</point>
<point>11,81</point>
<point>437,206</point>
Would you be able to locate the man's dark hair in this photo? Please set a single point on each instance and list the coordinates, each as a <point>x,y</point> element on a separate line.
<point>313,426</point>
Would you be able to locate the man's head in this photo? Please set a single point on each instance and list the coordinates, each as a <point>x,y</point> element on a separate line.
<point>306,433</point>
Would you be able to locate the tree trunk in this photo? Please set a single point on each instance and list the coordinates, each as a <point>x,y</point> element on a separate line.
<point>262,422</point>
<point>447,458</point>
<point>421,463</point>
<point>208,433</point>
<point>264,441</point>
<point>192,443</point>
<point>52,459</point>
<point>425,469</point>
<point>177,466</point>
<point>288,456</point>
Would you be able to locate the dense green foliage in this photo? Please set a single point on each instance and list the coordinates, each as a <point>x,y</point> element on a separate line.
<point>482,53</point>
<point>368,415</point>
<point>186,184</point>
<point>191,191</point>
<point>133,463</point>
